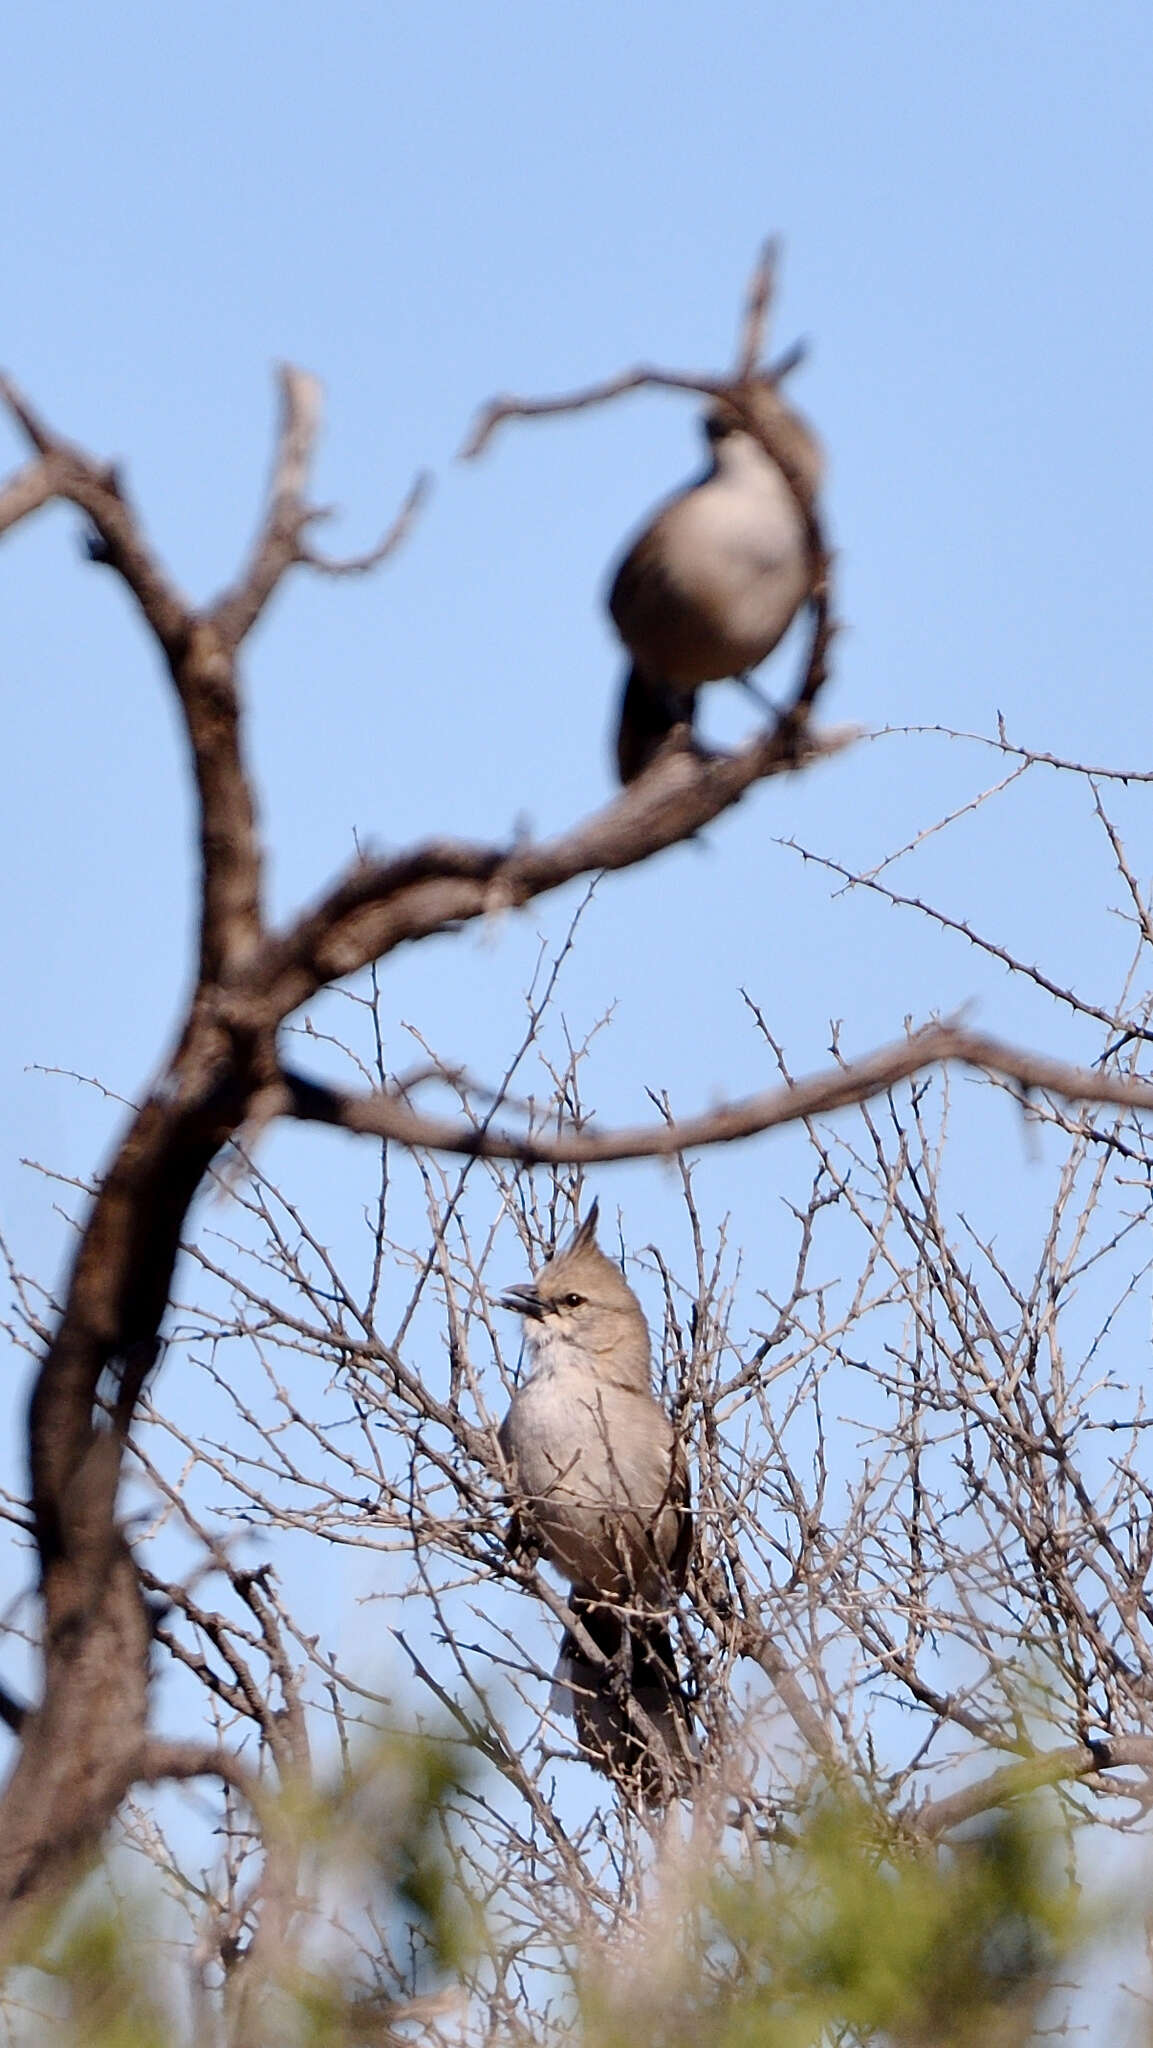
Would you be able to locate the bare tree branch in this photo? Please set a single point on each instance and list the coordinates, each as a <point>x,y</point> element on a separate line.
<point>1017,1781</point>
<point>277,545</point>
<point>384,904</point>
<point>361,565</point>
<point>878,1586</point>
<point>25,492</point>
<point>96,490</point>
<point>644,377</point>
<point>390,1115</point>
<point>1043,981</point>
<point>744,373</point>
<point>760,297</point>
<point>159,1762</point>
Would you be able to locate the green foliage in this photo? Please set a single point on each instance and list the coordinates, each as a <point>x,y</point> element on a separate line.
<point>90,1982</point>
<point>848,1933</point>
<point>372,1856</point>
<point>383,1832</point>
<point>852,1934</point>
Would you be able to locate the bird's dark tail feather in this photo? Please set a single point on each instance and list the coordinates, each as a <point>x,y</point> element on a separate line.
<point>633,1717</point>
<point>649,712</point>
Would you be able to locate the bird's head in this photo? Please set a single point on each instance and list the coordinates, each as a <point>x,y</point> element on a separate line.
<point>760,424</point>
<point>582,1299</point>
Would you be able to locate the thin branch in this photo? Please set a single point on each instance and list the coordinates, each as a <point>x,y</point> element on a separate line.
<point>1002,744</point>
<point>198,653</point>
<point>759,1646</point>
<point>388,1115</point>
<point>159,1761</point>
<point>1055,1767</point>
<point>760,298</point>
<point>360,565</point>
<point>41,436</point>
<point>643,377</point>
<point>380,905</point>
<point>854,880</point>
<point>278,544</point>
<point>27,490</point>
<point>97,490</point>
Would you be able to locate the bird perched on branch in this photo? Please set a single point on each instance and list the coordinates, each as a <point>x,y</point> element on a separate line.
<point>719,573</point>
<point>600,1487</point>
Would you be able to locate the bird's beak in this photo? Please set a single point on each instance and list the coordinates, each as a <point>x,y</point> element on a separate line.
<point>523,1301</point>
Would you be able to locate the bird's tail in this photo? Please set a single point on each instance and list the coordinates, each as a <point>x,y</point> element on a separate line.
<point>649,712</point>
<point>633,1717</point>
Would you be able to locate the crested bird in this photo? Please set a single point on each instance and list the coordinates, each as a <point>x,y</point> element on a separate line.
<point>600,1487</point>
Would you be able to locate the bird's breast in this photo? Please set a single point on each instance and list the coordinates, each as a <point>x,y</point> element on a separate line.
<point>593,1466</point>
<point>713,585</point>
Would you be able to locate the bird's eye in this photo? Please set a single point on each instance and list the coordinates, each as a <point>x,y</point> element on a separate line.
<point>574,1301</point>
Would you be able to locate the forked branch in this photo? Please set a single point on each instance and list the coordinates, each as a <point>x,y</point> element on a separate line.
<point>85,1741</point>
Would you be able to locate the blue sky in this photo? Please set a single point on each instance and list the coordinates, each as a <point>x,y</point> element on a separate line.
<point>427,205</point>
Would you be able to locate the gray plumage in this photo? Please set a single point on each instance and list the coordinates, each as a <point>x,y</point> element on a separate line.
<point>716,577</point>
<point>600,1487</point>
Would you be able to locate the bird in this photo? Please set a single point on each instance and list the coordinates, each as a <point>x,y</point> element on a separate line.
<point>718,573</point>
<point>600,1488</point>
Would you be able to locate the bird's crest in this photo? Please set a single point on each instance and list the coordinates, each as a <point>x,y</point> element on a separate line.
<point>585,1233</point>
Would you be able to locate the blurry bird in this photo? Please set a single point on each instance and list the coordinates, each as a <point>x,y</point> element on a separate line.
<point>601,1488</point>
<point>717,576</point>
